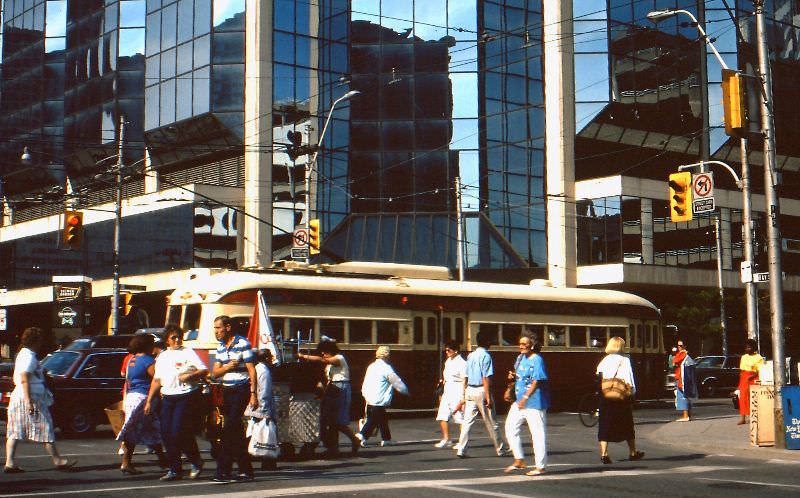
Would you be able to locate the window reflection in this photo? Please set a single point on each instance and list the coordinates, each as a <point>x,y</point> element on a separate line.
<point>229,15</point>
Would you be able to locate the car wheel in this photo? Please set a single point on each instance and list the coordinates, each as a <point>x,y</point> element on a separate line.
<point>77,420</point>
<point>710,389</point>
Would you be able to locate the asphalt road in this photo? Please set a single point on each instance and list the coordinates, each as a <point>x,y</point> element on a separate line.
<point>415,468</point>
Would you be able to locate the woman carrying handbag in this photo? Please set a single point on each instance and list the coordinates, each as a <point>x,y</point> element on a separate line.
<point>615,375</point>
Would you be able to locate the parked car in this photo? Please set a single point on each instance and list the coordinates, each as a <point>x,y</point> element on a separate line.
<point>99,341</point>
<point>83,381</point>
<point>717,375</point>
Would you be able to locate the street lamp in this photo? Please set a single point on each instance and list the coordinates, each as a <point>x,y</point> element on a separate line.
<point>772,207</point>
<point>313,163</point>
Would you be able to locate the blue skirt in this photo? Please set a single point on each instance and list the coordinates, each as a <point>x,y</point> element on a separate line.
<point>682,403</point>
<point>335,409</point>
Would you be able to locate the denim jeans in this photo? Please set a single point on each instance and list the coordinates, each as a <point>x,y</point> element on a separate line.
<point>179,414</point>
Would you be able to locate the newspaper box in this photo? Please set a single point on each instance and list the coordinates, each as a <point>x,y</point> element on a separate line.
<point>762,415</point>
<point>791,416</point>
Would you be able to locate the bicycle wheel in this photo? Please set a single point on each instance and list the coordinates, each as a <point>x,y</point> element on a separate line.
<point>588,409</point>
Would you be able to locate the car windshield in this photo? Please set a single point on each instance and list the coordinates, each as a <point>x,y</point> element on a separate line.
<point>59,362</point>
<point>79,344</point>
<point>710,362</point>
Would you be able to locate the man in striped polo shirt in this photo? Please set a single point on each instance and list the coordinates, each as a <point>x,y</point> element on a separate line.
<point>234,365</point>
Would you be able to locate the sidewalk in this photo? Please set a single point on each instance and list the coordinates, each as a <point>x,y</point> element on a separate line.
<point>717,433</point>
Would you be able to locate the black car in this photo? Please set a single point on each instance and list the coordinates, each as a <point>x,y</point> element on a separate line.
<point>83,382</point>
<point>717,375</point>
<point>99,341</point>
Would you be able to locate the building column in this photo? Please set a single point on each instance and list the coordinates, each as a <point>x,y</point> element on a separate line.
<point>257,236</point>
<point>725,234</point>
<point>559,97</point>
<point>647,231</point>
<point>151,176</point>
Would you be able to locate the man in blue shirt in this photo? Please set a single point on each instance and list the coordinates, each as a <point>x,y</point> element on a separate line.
<point>234,365</point>
<point>478,398</point>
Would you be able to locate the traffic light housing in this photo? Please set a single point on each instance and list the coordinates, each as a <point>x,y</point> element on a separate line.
<point>314,239</point>
<point>680,196</point>
<point>733,103</point>
<point>72,234</point>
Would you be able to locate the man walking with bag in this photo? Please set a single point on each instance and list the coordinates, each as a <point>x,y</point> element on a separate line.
<point>234,365</point>
<point>478,398</point>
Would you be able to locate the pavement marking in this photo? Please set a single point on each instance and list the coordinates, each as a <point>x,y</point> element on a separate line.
<point>424,471</point>
<point>756,483</point>
<point>471,482</point>
<point>481,492</point>
<point>784,462</point>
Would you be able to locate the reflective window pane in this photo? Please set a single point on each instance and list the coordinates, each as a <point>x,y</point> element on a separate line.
<point>131,13</point>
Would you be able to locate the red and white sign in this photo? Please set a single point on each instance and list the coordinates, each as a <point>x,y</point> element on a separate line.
<point>703,185</point>
<point>300,238</point>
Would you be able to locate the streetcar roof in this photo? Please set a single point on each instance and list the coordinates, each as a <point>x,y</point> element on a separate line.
<point>211,288</point>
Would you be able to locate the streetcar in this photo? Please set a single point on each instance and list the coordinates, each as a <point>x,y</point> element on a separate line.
<point>415,309</point>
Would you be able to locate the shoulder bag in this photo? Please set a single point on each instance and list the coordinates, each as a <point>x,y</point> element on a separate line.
<point>616,389</point>
<point>510,394</point>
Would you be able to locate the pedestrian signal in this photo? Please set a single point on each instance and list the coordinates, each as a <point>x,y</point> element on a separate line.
<point>680,196</point>
<point>733,103</point>
<point>314,239</point>
<point>72,234</point>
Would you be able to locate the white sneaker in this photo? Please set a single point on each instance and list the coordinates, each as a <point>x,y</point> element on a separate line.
<point>444,443</point>
<point>456,446</point>
<point>388,442</point>
<point>361,438</point>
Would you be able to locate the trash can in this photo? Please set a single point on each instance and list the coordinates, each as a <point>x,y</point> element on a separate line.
<point>791,416</point>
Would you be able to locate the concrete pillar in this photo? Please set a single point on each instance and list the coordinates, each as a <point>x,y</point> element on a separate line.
<point>257,236</point>
<point>559,97</point>
<point>725,233</point>
<point>647,231</point>
<point>151,176</point>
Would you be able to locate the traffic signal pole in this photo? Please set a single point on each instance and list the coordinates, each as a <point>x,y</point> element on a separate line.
<point>773,222</point>
<point>117,227</point>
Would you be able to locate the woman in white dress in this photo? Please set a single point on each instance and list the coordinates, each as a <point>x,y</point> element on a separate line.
<point>452,382</point>
<point>29,417</point>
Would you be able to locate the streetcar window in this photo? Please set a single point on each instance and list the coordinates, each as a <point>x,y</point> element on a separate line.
<point>332,328</point>
<point>489,329</point>
<point>536,331</point>
<point>240,325</point>
<point>556,335</point>
<point>432,333</point>
<point>460,332</point>
<point>597,337</point>
<point>639,336</point>
<point>305,326</point>
<point>360,332</point>
<point>277,327</point>
<point>648,336</point>
<point>418,332</point>
<point>174,314</point>
<point>510,334</point>
<point>632,330</point>
<point>618,332</point>
<point>577,337</point>
<point>447,331</point>
<point>191,317</point>
<point>388,332</point>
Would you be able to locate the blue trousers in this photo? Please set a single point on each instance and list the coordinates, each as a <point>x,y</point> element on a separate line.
<point>234,444</point>
<point>179,418</point>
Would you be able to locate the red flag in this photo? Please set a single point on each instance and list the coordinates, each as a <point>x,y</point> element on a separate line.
<point>260,334</point>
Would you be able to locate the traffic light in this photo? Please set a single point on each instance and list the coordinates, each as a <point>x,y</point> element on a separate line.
<point>72,235</point>
<point>733,103</point>
<point>680,196</point>
<point>313,236</point>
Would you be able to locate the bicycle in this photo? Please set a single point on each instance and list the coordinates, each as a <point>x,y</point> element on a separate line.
<point>588,409</point>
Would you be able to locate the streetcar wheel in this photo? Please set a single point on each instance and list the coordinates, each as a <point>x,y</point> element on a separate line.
<point>588,409</point>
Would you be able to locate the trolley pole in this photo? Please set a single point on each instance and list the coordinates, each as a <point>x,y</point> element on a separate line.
<point>773,223</point>
<point>117,227</point>
<point>459,233</point>
<point>723,321</point>
<point>750,288</point>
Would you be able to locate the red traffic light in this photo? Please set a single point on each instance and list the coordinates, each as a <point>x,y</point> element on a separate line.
<point>72,234</point>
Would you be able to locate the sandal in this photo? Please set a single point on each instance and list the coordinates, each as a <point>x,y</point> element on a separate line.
<point>513,468</point>
<point>66,465</point>
<point>535,472</point>
<point>12,470</point>
<point>636,456</point>
<point>605,459</point>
